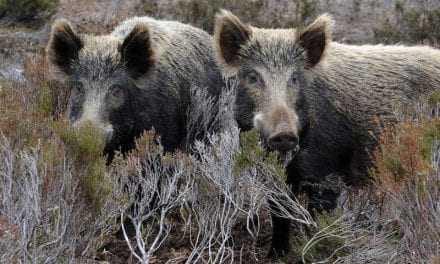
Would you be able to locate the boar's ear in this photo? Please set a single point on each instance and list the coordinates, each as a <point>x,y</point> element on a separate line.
<point>316,38</point>
<point>230,35</point>
<point>136,51</point>
<point>64,46</point>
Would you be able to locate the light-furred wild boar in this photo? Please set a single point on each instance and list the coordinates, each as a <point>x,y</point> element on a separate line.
<point>319,103</point>
<point>135,78</point>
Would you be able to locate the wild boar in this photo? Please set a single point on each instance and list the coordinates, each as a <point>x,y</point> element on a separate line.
<point>136,78</point>
<point>319,103</point>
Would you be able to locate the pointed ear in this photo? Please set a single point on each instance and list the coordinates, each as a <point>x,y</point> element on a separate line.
<point>230,34</point>
<point>136,51</point>
<point>316,38</point>
<point>64,46</point>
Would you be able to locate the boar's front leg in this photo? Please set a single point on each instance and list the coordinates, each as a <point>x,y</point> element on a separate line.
<point>321,190</point>
<point>280,235</point>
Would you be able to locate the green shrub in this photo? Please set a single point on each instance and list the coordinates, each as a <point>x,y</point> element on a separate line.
<point>399,6</point>
<point>27,11</point>
<point>45,100</point>
<point>387,33</point>
<point>431,134</point>
<point>434,99</point>
<point>85,145</point>
<point>252,154</point>
<point>150,8</point>
<point>412,26</point>
<point>306,9</point>
<point>324,241</point>
<point>201,13</point>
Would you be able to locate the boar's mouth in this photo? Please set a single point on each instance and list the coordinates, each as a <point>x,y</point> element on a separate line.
<point>285,157</point>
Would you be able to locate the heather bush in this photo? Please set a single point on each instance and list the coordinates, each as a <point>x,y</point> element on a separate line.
<point>48,195</point>
<point>45,216</point>
<point>407,175</point>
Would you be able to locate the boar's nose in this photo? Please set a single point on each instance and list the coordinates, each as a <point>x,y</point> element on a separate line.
<point>283,141</point>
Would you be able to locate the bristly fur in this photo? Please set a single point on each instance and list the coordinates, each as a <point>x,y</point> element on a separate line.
<point>230,35</point>
<point>136,51</point>
<point>316,38</point>
<point>64,46</point>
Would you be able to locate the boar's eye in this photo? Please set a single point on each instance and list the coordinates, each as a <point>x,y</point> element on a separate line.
<point>252,77</point>
<point>293,78</point>
<point>117,91</point>
<point>77,87</point>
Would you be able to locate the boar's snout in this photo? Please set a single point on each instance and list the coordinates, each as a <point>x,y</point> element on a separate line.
<point>283,141</point>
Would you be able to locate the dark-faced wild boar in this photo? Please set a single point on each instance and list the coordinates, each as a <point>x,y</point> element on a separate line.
<point>135,78</point>
<point>319,101</point>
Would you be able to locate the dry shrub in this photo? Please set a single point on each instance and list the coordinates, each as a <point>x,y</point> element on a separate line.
<point>57,200</point>
<point>47,219</point>
<point>19,119</point>
<point>31,114</point>
<point>28,108</point>
<point>404,153</point>
<point>7,229</point>
<point>51,95</point>
<point>355,232</point>
<point>435,260</point>
<point>407,175</point>
<point>155,185</point>
<point>395,220</point>
<point>208,204</point>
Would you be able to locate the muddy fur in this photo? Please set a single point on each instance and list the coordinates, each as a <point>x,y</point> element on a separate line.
<point>334,97</point>
<point>135,78</point>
